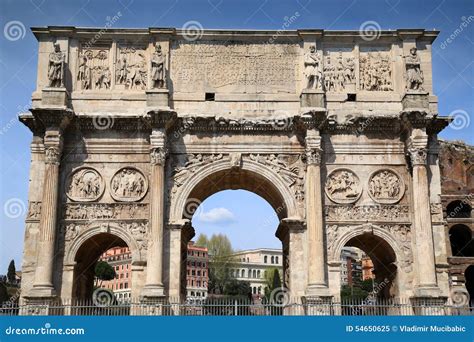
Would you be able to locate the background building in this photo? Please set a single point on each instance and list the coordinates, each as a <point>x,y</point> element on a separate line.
<point>351,266</point>
<point>254,265</point>
<point>456,161</point>
<point>120,259</point>
<point>197,272</point>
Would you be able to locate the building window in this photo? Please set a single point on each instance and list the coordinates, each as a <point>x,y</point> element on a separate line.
<point>254,273</point>
<point>242,273</point>
<point>276,260</point>
<point>265,259</point>
<point>258,274</point>
<point>272,260</point>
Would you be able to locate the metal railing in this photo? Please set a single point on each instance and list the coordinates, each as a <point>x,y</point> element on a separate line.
<point>242,307</point>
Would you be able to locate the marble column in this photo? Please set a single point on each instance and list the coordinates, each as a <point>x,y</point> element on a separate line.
<point>43,284</point>
<point>317,282</point>
<point>154,270</point>
<point>426,270</point>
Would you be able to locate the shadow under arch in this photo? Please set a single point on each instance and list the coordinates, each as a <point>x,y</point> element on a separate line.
<point>250,176</point>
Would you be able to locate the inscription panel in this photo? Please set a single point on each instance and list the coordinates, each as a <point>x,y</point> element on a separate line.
<point>234,67</point>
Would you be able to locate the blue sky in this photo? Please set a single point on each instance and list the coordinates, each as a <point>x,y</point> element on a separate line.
<point>453,71</point>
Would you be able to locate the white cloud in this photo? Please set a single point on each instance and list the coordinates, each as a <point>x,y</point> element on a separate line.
<point>217,215</point>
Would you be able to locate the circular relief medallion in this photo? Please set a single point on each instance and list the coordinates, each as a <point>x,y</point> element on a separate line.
<point>85,185</point>
<point>343,186</point>
<point>128,185</point>
<point>386,186</point>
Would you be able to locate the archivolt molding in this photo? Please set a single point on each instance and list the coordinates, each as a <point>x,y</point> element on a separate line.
<point>285,172</point>
<point>133,233</point>
<point>398,236</point>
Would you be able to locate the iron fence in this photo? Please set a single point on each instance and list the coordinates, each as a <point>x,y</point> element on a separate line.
<point>242,307</point>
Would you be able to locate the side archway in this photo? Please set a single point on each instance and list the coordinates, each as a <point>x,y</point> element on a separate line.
<point>84,250</point>
<point>389,248</point>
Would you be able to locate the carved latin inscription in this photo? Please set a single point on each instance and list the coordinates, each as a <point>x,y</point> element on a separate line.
<point>234,66</point>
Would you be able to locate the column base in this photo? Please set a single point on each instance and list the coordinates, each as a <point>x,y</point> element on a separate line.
<point>318,290</point>
<point>153,291</point>
<point>427,291</point>
<point>318,305</point>
<point>42,291</point>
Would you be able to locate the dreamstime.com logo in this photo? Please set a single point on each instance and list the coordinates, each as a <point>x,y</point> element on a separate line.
<point>46,330</point>
<point>193,30</point>
<point>460,119</point>
<point>14,208</point>
<point>370,30</point>
<point>103,297</point>
<point>14,30</point>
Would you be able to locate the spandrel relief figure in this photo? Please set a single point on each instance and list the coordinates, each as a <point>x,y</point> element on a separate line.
<point>343,186</point>
<point>158,68</point>
<point>386,187</point>
<point>414,75</point>
<point>56,67</point>
<point>85,185</point>
<point>312,69</point>
<point>128,184</point>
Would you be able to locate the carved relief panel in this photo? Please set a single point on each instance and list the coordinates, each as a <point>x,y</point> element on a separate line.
<point>85,185</point>
<point>131,67</point>
<point>339,70</point>
<point>386,186</point>
<point>128,185</point>
<point>343,186</point>
<point>375,68</point>
<point>94,70</point>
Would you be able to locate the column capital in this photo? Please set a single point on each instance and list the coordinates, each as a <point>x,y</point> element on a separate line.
<point>53,144</point>
<point>313,156</point>
<point>158,155</point>
<point>418,156</point>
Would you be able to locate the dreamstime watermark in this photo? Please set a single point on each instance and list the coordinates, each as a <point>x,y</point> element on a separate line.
<point>14,30</point>
<point>288,21</point>
<point>452,37</point>
<point>466,202</point>
<point>370,30</point>
<point>192,30</point>
<point>14,120</point>
<point>460,297</point>
<point>103,121</point>
<point>103,297</point>
<point>46,330</point>
<point>280,297</point>
<point>192,207</point>
<point>110,21</point>
<point>460,119</point>
<point>14,208</point>
<point>281,120</point>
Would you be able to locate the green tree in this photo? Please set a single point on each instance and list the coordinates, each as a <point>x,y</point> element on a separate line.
<point>202,241</point>
<point>238,288</point>
<point>4,296</point>
<point>273,281</point>
<point>103,271</point>
<point>11,275</point>
<point>220,260</point>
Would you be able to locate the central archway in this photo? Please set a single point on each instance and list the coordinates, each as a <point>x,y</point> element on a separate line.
<point>223,174</point>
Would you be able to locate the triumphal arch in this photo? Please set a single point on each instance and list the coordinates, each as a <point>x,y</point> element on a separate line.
<point>133,128</point>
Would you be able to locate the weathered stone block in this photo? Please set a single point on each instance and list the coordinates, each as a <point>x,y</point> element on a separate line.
<point>313,98</point>
<point>157,98</point>
<point>416,100</point>
<point>54,97</point>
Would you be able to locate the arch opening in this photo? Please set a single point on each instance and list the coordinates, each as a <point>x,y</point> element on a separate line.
<point>458,209</point>
<point>469,276</point>
<point>373,253</point>
<point>108,248</point>
<point>247,222</point>
<point>462,244</point>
